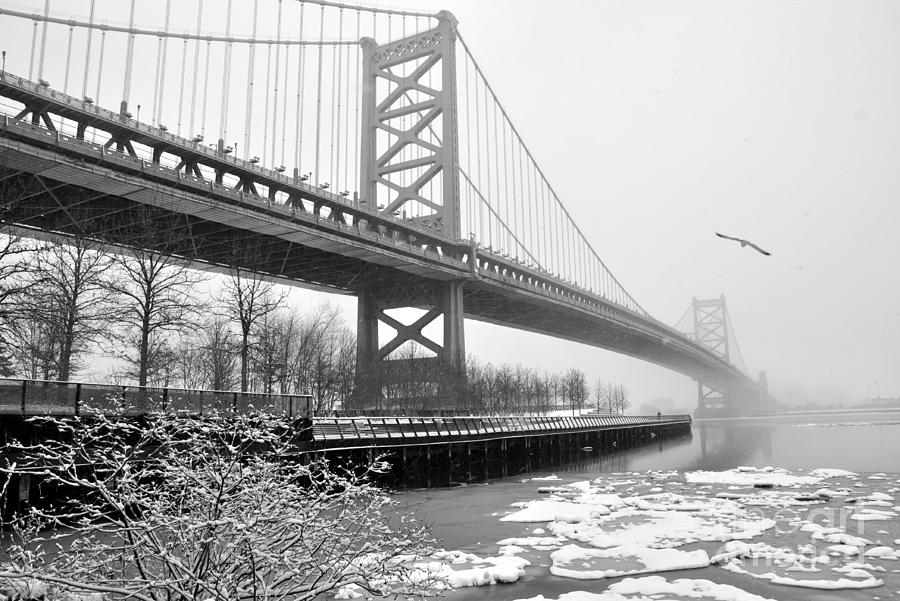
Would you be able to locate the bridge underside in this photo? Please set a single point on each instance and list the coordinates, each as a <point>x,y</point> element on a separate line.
<point>56,196</point>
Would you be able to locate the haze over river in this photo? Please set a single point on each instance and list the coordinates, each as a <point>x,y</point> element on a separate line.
<point>812,513</point>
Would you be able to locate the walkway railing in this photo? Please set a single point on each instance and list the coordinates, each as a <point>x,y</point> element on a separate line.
<point>47,397</point>
<point>410,429</point>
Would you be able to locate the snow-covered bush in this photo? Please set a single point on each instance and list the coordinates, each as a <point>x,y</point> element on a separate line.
<point>215,507</point>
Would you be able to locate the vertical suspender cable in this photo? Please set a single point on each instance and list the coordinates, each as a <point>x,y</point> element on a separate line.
<point>161,72</point>
<point>87,53</point>
<point>487,160</point>
<point>248,119</point>
<point>319,98</point>
<point>506,188</point>
<point>100,65</point>
<point>496,198</point>
<point>44,39</point>
<point>357,100</point>
<point>471,216</point>
<point>184,52</point>
<point>196,76</point>
<point>31,57</point>
<point>527,236</point>
<point>159,41</point>
<point>548,252</point>
<point>68,61</point>
<point>226,81</point>
<point>284,103</point>
<point>205,90</point>
<point>275,81</point>
<point>337,99</point>
<point>478,162</point>
<point>332,110</point>
<point>129,58</point>
<point>520,231</point>
<point>301,72</point>
<point>266,108</point>
<point>347,181</point>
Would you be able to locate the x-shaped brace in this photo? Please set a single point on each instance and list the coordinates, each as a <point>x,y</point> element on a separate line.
<point>412,332</point>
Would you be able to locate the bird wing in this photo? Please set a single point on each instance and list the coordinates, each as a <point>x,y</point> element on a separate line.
<point>728,237</point>
<point>755,247</point>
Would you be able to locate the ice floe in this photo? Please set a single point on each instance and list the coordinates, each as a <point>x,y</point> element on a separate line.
<point>654,587</point>
<point>789,528</point>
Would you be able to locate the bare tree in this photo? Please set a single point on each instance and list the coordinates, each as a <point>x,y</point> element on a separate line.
<point>71,300</point>
<point>188,363</point>
<point>247,298</point>
<point>15,267</point>
<point>217,354</point>
<point>601,396</point>
<point>622,400</point>
<point>158,294</point>
<point>576,388</point>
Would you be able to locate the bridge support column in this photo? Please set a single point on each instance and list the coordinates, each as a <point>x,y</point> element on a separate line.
<point>712,399</point>
<point>410,371</point>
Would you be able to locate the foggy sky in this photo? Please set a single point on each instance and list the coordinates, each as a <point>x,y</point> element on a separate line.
<point>659,123</point>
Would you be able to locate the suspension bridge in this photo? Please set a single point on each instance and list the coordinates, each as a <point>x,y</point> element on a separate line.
<point>346,148</point>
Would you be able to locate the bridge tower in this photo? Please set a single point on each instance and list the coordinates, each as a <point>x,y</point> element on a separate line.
<point>711,330</point>
<point>410,169</point>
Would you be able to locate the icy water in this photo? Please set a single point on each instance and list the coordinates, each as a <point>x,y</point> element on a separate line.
<point>799,507</point>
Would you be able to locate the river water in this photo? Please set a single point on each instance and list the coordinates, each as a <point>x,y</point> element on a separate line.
<point>802,532</point>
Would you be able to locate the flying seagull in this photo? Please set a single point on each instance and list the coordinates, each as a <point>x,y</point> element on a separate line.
<point>745,243</point>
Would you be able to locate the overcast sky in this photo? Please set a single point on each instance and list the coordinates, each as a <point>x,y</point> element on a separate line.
<point>660,123</point>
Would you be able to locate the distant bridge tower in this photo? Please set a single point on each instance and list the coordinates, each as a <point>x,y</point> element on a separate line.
<point>711,330</point>
<point>410,169</point>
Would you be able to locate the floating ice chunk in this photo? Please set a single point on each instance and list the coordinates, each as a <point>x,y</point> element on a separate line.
<point>546,478</point>
<point>844,549</point>
<point>847,539</point>
<point>531,541</point>
<point>548,511</point>
<point>653,560</point>
<point>457,557</point>
<point>682,587</point>
<point>832,473</point>
<point>509,550</point>
<point>828,493</point>
<point>750,478</point>
<point>880,496</point>
<point>504,569</point>
<point>882,553</point>
<point>864,517</point>
<point>851,572</point>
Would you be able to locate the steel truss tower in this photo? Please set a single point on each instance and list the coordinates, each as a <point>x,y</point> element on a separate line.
<point>410,169</point>
<point>711,330</point>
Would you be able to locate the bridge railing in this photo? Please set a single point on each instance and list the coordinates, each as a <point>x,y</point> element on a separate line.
<point>408,429</point>
<point>48,397</point>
